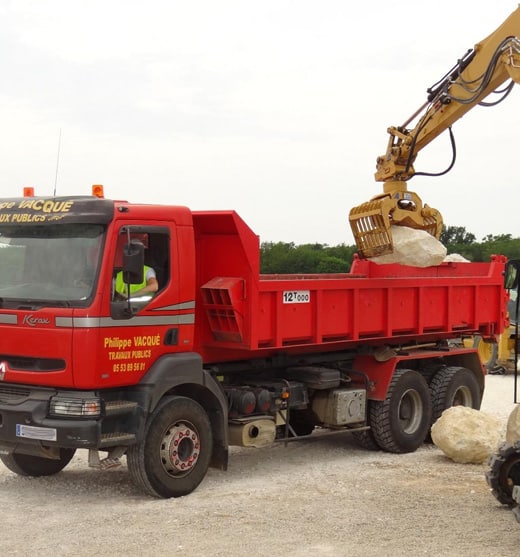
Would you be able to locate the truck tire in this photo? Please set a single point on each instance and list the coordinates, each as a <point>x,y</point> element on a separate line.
<point>401,422</point>
<point>174,455</point>
<point>35,466</point>
<point>487,351</point>
<point>453,386</point>
<point>504,472</point>
<point>366,440</point>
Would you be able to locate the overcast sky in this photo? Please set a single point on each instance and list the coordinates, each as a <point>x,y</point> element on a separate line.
<point>275,108</point>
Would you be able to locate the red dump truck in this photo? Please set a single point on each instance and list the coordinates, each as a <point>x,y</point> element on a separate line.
<point>219,355</point>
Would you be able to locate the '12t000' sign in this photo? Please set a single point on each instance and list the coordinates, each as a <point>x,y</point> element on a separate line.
<point>296,296</point>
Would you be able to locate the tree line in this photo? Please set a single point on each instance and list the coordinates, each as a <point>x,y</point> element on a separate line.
<point>287,257</point>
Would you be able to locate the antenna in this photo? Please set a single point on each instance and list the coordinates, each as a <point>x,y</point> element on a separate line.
<point>57,165</point>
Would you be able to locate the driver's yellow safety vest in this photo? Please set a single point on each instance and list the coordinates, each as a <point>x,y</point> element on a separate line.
<point>122,287</point>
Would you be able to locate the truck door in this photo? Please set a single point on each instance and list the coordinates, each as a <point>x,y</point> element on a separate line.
<point>141,330</point>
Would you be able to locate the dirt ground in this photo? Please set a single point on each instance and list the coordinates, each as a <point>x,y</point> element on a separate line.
<point>323,497</point>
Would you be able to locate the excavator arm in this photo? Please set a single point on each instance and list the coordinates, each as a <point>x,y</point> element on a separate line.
<point>481,71</point>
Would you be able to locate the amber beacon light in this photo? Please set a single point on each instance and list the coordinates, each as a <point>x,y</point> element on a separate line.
<point>97,191</point>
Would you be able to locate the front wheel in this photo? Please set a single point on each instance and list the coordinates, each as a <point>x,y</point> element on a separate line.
<point>174,455</point>
<point>401,422</point>
<point>35,466</point>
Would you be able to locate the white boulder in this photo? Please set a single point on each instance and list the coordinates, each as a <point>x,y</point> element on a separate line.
<point>455,258</point>
<point>466,435</point>
<point>513,426</point>
<point>413,247</point>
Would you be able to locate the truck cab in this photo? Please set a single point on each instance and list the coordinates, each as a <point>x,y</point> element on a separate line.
<point>60,259</point>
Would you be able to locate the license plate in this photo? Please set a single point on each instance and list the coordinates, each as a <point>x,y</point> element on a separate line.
<point>33,432</point>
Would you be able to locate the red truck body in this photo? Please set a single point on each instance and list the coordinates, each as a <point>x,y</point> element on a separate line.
<point>288,354</point>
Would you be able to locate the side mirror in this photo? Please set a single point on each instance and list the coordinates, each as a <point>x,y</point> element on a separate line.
<point>511,274</point>
<point>133,262</point>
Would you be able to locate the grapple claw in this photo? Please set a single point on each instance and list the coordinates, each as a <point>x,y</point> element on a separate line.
<point>371,222</point>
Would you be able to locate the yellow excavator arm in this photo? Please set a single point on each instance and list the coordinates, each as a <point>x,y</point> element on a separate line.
<point>481,71</point>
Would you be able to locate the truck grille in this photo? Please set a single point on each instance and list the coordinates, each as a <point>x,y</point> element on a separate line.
<point>33,364</point>
<point>8,393</point>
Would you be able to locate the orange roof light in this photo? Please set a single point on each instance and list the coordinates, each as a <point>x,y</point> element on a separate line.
<point>97,191</point>
<point>28,191</point>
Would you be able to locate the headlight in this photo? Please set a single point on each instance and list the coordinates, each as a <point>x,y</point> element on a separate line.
<point>77,407</point>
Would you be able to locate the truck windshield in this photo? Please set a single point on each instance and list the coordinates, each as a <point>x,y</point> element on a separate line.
<point>50,265</point>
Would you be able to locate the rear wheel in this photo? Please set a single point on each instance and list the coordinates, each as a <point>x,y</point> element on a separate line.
<point>453,386</point>
<point>366,440</point>
<point>174,456</point>
<point>28,465</point>
<point>401,422</point>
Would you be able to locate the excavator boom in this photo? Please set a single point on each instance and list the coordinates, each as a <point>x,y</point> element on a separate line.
<point>478,73</point>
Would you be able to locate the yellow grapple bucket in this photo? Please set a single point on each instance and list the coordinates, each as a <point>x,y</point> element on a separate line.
<point>371,228</point>
<point>371,222</point>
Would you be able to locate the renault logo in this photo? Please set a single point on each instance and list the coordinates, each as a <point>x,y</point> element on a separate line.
<point>3,367</point>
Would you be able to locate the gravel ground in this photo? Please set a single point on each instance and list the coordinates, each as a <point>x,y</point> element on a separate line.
<point>323,497</point>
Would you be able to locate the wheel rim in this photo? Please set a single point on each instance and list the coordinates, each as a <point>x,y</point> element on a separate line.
<point>462,397</point>
<point>410,411</point>
<point>180,449</point>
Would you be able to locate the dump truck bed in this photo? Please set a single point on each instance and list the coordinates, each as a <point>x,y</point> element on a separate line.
<point>246,314</point>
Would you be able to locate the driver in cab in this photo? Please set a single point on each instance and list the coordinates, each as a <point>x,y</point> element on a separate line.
<point>147,287</point>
